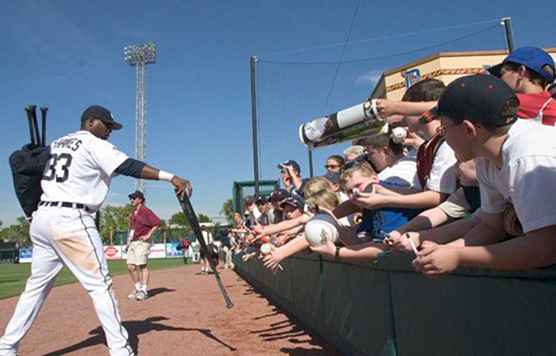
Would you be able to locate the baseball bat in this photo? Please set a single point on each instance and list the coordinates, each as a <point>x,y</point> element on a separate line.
<point>35,124</point>
<point>187,208</point>
<point>30,120</point>
<point>44,111</point>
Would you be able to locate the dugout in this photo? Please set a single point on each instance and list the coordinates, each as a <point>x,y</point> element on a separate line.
<point>239,191</point>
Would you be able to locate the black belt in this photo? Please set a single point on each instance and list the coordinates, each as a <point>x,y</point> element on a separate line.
<point>65,204</point>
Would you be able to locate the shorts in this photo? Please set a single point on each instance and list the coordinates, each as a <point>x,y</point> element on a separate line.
<point>456,206</point>
<point>137,252</point>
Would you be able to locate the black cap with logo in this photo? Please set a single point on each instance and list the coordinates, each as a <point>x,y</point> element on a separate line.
<point>101,113</point>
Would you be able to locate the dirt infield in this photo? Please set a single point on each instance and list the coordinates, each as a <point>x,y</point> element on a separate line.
<point>185,316</point>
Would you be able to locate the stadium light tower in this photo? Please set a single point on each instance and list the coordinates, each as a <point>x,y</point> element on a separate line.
<point>139,56</point>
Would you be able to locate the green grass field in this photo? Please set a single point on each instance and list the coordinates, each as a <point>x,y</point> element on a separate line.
<point>14,276</point>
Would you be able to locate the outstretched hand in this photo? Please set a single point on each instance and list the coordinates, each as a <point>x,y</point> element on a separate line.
<point>182,186</point>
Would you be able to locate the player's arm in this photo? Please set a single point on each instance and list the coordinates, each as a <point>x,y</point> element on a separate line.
<point>134,168</point>
<point>387,107</point>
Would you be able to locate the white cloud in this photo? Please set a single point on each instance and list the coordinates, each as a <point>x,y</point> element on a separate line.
<point>369,78</point>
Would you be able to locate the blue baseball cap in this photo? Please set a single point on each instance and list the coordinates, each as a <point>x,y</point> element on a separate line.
<point>533,58</point>
<point>292,163</point>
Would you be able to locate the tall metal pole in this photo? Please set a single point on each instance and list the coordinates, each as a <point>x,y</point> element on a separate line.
<point>140,121</point>
<point>310,151</point>
<point>507,23</point>
<point>139,56</point>
<point>254,123</point>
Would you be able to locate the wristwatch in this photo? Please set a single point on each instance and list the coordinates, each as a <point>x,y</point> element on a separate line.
<point>337,253</point>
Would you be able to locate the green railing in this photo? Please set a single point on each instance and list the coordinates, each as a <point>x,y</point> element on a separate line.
<point>385,308</point>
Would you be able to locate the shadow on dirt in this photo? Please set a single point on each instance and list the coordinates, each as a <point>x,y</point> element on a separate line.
<point>135,328</point>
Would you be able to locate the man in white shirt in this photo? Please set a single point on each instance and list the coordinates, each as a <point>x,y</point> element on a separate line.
<point>516,164</point>
<point>75,182</point>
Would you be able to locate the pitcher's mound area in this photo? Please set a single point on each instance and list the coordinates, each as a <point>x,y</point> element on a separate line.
<point>185,315</point>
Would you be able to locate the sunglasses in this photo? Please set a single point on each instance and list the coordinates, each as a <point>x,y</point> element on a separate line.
<point>332,166</point>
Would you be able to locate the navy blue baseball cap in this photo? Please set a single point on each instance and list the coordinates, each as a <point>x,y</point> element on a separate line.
<point>533,58</point>
<point>101,113</point>
<point>483,99</point>
<point>292,163</point>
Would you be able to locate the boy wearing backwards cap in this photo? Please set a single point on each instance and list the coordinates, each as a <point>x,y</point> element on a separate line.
<point>515,162</point>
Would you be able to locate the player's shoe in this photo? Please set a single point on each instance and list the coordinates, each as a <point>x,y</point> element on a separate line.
<point>141,295</point>
<point>133,295</point>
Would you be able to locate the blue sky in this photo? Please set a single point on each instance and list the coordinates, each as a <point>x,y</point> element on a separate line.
<point>69,55</point>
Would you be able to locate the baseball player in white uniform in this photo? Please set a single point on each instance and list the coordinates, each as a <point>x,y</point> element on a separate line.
<point>75,183</point>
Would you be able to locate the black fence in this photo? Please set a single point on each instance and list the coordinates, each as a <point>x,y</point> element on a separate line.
<point>385,308</point>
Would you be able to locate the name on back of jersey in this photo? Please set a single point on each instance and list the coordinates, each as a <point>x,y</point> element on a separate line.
<point>71,143</point>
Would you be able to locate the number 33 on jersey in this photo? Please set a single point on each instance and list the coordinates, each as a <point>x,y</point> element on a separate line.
<point>80,167</point>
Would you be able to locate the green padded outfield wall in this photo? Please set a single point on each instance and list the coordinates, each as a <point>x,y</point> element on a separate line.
<point>384,308</point>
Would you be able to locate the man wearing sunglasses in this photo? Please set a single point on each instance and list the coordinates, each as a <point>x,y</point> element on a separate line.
<point>142,224</point>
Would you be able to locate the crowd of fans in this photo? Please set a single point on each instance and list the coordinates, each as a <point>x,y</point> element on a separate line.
<point>470,185</point>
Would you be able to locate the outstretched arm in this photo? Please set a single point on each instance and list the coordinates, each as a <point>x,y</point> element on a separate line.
<point>134,168</point>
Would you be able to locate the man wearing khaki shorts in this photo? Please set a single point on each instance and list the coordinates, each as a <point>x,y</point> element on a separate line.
<point>142,223</point>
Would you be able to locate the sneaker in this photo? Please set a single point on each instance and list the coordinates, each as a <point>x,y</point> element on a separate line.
<point>141,295</point>
<point>133,295</point>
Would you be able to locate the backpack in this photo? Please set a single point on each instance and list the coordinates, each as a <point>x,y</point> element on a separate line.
<point>27,166</point>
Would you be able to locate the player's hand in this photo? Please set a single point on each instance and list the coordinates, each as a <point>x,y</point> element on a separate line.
<point>182,185</point>
<point>434,259</point>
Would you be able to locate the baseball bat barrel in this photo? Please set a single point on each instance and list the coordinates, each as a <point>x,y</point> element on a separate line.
<point>35,124</point>
<point>187,208</point>
<point>44,112</point>
<point>347,124</point>
<point>30,121</point>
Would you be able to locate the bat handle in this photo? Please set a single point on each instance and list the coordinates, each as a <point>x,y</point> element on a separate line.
<point>44,111</point>
<point>31,128</point>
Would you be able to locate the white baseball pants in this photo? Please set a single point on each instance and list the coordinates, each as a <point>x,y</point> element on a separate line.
<point>66,237</point>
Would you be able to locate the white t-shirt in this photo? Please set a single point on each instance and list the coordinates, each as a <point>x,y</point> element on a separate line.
<point>526,179</point>
<point>402,173</point>
<point>80,169</point>
<point>442,178</point>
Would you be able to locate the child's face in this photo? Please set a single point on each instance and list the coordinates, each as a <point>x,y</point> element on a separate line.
<point>466,173</point>
<point>378,156</point>
<point>357,181</point>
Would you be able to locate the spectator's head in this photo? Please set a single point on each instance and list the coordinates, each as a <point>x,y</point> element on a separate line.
<point>424,90</point>
<point>474,111</point>
<point>466,173</point>
<point>353,152</point>
<point>277,196</point>
<point>334,179</point>
<point>334,163</point>
<point>295,168</point>
<point>262,204</point>
<point>320,193</point>
<point>237,219</point>
<point>359,176</point>
<point>526,70</point>
<point>137,198</point>
<point>249,203</point>
<point>291,207</point>
<point>382,151</point>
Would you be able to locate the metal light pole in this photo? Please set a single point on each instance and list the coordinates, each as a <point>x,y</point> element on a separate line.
<point>139,56</point>
<point>253,63</point>
<point>507,23</point>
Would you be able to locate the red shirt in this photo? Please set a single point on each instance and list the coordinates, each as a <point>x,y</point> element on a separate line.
<point>142,221</point>
<point>531,104</point>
